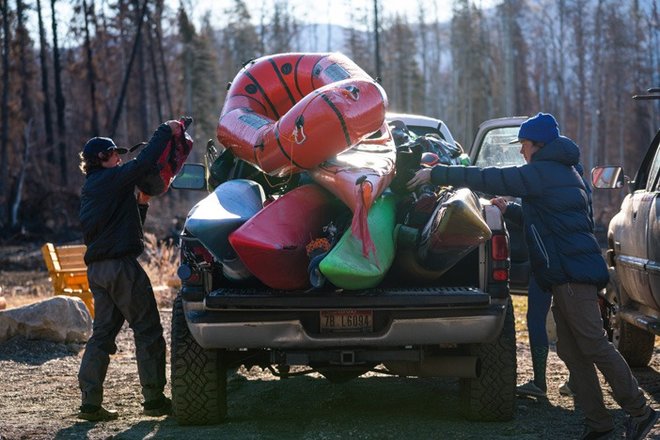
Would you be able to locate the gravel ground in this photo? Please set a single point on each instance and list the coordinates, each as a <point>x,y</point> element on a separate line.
<point>39,397</point>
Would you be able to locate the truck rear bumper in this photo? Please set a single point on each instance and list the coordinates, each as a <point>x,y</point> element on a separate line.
<point>225,329</point>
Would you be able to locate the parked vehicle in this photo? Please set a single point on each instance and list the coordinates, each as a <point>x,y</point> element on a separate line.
<point>459,325</point>
<point>632,315</point>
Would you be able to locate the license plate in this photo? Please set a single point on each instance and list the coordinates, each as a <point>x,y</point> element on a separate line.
<point>333,321</point>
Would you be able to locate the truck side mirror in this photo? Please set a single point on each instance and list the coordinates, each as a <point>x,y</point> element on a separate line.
<point>191,176</point>
<point>607,177</point>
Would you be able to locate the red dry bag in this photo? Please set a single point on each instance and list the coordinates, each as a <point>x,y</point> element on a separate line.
<point>169,163</point>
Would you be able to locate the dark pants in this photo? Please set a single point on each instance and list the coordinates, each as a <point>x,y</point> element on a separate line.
<point>122,292</point>
<point>538,306</point>
<point>583,345</point>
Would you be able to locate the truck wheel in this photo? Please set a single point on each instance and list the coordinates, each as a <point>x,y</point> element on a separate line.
<point>634,344</point>
<point>491,395</point>
<point>199,376</point>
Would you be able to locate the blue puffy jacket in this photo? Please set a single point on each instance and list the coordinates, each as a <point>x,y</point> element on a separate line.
<point>555,210</point>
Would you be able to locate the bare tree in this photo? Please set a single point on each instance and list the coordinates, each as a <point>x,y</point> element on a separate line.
<point>140,87</point>
<point>20,181</point>
<point>161,56</point>
<point>59,99</point>
<point>4,142</point>
<point>283,27</point>
<point>187,31</point>
<point>91,72</point>
<point>358,41</point>
<point>580,31</point>
<point>152,50</point>
<point>595,88</point>
<point>471,80</point>
<point>240,42</point>
<point>404,82</point>
<point>43,59</point>
<point>127,73</point>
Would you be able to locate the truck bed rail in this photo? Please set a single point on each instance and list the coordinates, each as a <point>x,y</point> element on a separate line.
<point>384,298</point>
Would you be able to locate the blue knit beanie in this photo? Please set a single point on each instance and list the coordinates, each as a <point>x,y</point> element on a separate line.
<point>540,128</point>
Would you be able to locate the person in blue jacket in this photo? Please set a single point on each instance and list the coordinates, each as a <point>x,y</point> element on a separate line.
<point>566,259</point>
<point>112,214</point>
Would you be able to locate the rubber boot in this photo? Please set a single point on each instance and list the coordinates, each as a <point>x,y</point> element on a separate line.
<point>539,363</point>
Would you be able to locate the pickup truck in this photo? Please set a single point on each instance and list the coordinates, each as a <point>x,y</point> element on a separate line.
<point>461,325</point>
<point>631,311</point>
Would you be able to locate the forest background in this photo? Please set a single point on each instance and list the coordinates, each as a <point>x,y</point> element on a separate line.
<point>75,69</point>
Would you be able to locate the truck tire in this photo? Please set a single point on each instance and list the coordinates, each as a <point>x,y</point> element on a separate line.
<point>199,376</point>
<point>634,344</point>
<point>491,396</point>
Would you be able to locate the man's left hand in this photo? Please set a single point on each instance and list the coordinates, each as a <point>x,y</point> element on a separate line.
<point>421,177</point>
<point>142,198</point>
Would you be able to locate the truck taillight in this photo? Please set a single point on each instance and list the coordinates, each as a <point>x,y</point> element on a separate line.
<point>500,253</point>
<point>499,247</point>
<point>500,274</point>
<point>194,259</point>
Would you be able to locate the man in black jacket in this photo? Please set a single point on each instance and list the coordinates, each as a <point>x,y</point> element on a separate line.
<point>112,217</point>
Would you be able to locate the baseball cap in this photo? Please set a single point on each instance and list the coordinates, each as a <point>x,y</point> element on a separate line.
<point>97,145</point>
<point>540,128</point>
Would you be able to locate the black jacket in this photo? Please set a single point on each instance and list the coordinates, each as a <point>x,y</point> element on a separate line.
<point>109,213</point>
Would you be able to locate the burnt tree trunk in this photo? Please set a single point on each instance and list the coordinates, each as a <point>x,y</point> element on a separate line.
<point>142,73</point>
<point>127,74</point>
<point>48,120</point>
<point>4,136</point>
<point>91,73</point>
<point>154,69</point>
<point>59,99</point>
<point>163,64</point>
<point>20,182</point>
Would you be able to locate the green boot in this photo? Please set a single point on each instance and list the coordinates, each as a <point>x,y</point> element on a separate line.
<point>539,363</point>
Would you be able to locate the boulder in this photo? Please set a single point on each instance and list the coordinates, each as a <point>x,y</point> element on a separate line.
<point>57,319</point>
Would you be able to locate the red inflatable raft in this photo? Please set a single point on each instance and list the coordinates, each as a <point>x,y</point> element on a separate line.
<point>290,112</point>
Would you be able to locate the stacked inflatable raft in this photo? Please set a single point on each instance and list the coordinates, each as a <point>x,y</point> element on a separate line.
<point>317,123</point>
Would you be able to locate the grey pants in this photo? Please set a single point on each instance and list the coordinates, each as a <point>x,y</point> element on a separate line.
<point>583,345</point>
<point>122,291</point>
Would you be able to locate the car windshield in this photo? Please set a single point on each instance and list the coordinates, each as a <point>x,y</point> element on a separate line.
<point>496,150</point>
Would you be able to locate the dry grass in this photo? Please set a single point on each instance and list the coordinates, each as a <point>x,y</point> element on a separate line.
<point>161,260</point>
<point>520,315</point>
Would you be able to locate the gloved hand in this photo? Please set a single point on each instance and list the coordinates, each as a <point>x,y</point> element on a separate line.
<point>142,198</point>
<point>175,126</point>
<point>186,120</point>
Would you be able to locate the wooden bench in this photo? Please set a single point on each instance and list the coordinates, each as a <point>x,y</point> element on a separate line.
<point>68,271</point>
